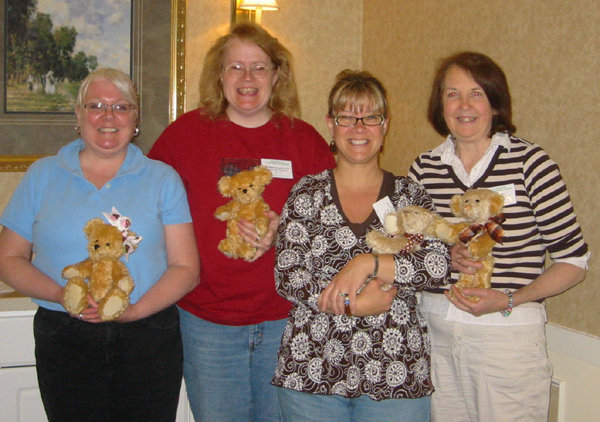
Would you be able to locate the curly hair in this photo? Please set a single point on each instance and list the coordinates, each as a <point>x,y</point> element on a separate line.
<point>284,98</point>
<point>488,75</point>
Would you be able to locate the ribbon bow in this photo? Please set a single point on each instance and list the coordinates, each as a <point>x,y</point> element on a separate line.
<point>492,226</point>
<point>130,239</point>
<point>413,240</point>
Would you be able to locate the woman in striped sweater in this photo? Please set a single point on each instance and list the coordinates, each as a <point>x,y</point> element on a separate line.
<point>489,359</point>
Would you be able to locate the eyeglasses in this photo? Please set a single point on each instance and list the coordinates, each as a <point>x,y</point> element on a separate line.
<point>350,121</point>
<point>101,108</point>
<point>258,71</point>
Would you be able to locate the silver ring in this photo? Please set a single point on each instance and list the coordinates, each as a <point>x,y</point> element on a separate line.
<point>458,261</point>
<point>81,317</point>
<point>343,294</point>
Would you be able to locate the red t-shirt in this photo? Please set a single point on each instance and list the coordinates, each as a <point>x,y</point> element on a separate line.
<point>233,291</point>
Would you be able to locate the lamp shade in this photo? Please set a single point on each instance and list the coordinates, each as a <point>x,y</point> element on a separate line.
<point>258,4</point>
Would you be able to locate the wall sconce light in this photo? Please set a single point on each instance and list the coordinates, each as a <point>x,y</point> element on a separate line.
<point>252,9</point>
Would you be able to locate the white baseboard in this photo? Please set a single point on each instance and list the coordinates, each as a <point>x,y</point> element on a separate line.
<point>577,345</point>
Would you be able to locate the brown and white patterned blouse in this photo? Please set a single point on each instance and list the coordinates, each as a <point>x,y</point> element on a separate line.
<point>384,356</point>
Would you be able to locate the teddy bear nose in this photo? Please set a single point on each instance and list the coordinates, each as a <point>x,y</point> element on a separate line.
<point>245,190</point>
<point>96,246</point>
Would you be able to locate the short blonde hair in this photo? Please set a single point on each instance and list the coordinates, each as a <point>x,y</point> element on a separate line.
<point>358,89</point>
<point>284,98</point>
<point>116,77</point>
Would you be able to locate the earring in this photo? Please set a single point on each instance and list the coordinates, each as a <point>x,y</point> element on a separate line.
<point>76,127</point>
<point>136,132</point>
<point>332,147</point>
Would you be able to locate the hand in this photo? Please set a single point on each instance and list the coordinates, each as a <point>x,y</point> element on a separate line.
<point>347,281</point>
<point>489,300</point>
<point>372,300</point>
<point>462,261</point>
<point>250,234</point>
<point>90,314</point>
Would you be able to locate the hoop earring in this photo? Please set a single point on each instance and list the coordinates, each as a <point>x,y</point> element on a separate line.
<point>136,132</point>
<point>332,147</point>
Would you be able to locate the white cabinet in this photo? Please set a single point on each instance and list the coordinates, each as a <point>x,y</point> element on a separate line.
<point>20,399</point>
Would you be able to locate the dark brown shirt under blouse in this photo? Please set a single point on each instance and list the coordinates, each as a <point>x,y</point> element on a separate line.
<point>384,356</point>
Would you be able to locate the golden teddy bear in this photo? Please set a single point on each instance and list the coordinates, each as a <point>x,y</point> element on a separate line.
<point>482,211</point>
<point>109,282</point>
<point>245,188</point>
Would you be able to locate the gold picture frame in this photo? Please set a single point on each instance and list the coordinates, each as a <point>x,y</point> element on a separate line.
<point>159,73</point>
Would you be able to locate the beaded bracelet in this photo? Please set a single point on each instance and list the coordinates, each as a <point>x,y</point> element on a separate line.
<point>506,312</point>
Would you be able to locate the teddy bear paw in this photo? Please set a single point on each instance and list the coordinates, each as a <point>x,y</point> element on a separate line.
<point>113,305</point>
<point>75,296</point>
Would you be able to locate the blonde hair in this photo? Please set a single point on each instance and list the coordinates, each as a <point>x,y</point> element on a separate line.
<point>358,89</point>
<point>284,98</point>
<point>117,78</point>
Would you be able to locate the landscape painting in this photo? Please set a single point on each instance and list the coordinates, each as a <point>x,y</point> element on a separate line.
<point>51,45</point>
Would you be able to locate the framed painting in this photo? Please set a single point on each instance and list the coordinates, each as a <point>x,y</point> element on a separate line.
<point>30,129</point>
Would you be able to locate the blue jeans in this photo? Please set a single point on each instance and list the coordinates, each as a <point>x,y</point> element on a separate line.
<point>228,369</point>
<point>297,406</point>
<point>108,372</point>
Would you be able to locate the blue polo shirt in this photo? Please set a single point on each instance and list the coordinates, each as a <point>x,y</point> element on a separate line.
<point>54,201</point>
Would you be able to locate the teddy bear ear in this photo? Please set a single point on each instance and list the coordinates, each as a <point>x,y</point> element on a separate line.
<point>455,204</point>
<point>92,225</point>
<point>496,203</point>
<point>224,186</point>
<point>265,174</point>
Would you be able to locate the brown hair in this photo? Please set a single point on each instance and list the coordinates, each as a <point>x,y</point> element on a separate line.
<point>284,98</point>
<point>357,88</point>
<point>489,76</point>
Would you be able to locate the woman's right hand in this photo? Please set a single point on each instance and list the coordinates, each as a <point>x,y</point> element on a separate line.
<point>462,261</point>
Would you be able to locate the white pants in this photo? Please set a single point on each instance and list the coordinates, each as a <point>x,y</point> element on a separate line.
<point>484,373</point>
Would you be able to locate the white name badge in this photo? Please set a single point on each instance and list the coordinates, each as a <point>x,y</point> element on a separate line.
<point>281,169</point>
<point>383,207</point>
<point>508,192</point>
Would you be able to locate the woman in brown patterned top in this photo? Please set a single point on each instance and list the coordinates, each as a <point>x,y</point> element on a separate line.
<point>349,346</point>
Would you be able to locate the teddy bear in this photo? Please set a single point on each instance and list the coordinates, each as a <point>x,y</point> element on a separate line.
<point>482,211</point>
<point>109,282</point>
<point>245,190</point>
<point>404,231</point>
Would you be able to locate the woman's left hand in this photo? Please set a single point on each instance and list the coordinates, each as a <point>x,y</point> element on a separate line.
<point>250,234</point>
<point>346,282</point>
<point>489,300</point>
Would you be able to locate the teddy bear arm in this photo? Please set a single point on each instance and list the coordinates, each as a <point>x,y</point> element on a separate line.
<point>223,212</point>
<point>380,243</point>
<point>122,277</point>
<point>82,269</point>
<point>449,232</point>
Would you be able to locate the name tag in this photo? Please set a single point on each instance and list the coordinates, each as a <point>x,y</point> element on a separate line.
<point>508,192</point>
<point>383,207</point>
<point>281,169</point>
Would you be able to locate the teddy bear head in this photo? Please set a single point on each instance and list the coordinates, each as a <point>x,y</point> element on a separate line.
<point>412,220</point>
<point>477,205</point>
<point>246,186</point>
<point>104,240</point>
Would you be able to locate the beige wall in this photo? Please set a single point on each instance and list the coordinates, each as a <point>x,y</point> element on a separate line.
<point>550,52</point>
<point>322,44</point>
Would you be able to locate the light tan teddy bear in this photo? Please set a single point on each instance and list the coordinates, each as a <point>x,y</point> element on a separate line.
<point>482,211</point>
<point>404,230</point>
<point>109,282</point>
<point>245,188</point>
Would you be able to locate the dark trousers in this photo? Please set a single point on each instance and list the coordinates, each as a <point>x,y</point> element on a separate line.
<point>111,371</point>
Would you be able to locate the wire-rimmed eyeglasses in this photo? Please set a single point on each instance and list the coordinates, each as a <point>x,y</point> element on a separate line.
<point>258,71</point>
<point>100,108</point>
